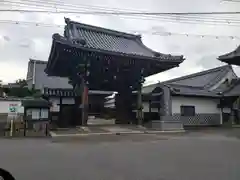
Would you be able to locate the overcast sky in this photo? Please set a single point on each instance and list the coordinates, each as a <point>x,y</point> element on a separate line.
<point>19,42</point>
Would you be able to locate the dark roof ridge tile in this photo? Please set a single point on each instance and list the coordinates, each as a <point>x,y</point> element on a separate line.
<point>234,52</point>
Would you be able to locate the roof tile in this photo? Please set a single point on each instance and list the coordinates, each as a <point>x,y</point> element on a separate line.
<point>195,84</point>
<point>114,41</point>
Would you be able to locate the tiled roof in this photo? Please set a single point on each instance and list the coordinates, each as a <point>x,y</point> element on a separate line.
<point>37,103</point>
<point>197,84</point>
<point>98,38</point>
<point>52,84</point>
<point>230,55</point>
<point>203,80</point>
<point>43,80</point>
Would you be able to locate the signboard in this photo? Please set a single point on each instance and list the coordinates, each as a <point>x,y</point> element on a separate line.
<point>13,108</point>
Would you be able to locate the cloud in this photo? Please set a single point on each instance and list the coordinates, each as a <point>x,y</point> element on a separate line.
<point>11,70</point>
<point>20,42</point>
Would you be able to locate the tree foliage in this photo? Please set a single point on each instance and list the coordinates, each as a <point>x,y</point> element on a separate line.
<point>21,90</point>
<point>21,82</point>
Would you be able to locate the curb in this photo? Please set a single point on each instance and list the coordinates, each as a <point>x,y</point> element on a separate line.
<point>163,132</point>
<point>52,134</point>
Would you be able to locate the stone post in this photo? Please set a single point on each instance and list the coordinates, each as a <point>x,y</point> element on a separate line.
<point>166,100</point>
<point>166,122</point>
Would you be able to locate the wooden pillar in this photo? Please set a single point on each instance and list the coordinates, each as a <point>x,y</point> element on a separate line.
<point>139,99</point>
<point>84,104</point>
<point>60,114</point>
<point>78,103</point>
<point>139,106</point>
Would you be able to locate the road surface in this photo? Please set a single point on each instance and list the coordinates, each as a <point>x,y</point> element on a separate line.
<point>194,156</point>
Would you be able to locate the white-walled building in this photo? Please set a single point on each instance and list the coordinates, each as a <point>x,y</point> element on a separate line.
<point>196,99</point>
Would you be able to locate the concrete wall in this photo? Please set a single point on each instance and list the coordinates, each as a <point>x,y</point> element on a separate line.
<point>206,110</point>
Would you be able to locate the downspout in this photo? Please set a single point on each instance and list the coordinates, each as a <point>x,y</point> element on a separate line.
<point>221,116</point>
<point>221,110</point>
<point>34,74</point>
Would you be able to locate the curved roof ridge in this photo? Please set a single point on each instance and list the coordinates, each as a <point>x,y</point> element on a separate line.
<point>232,53</point>
<point>139,40</point>
<point>198,74</point>
<point>102,29</point>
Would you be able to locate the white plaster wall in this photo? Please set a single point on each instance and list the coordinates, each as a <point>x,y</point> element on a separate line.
<point>202,105</point>
<point>54,100</point>
<point>68,101</point>
<point>4,105</point>
<point>146,107</point>
<point>55,104</point>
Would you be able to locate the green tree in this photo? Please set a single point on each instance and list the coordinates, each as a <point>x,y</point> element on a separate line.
<point>21,82</point>
<point>1,89</point>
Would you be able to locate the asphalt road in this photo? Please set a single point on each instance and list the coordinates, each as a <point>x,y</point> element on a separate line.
<point>194,156</point>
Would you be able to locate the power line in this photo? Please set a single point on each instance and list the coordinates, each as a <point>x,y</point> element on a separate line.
<point>226,20</point>
<point>150,32</point>
<point>120,13</point>
<point>176,20</point>
<point>64,4</point>
<point>55,4</point>
<point>208,20</point>
<point>190,19</point>
<point>167,19</point>
<point>128,12</point>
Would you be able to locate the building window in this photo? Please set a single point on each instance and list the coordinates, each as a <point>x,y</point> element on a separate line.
<point>187,110</point>
<point>37,114</point>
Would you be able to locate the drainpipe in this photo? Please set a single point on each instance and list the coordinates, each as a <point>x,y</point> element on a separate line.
<point>34,74</point>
